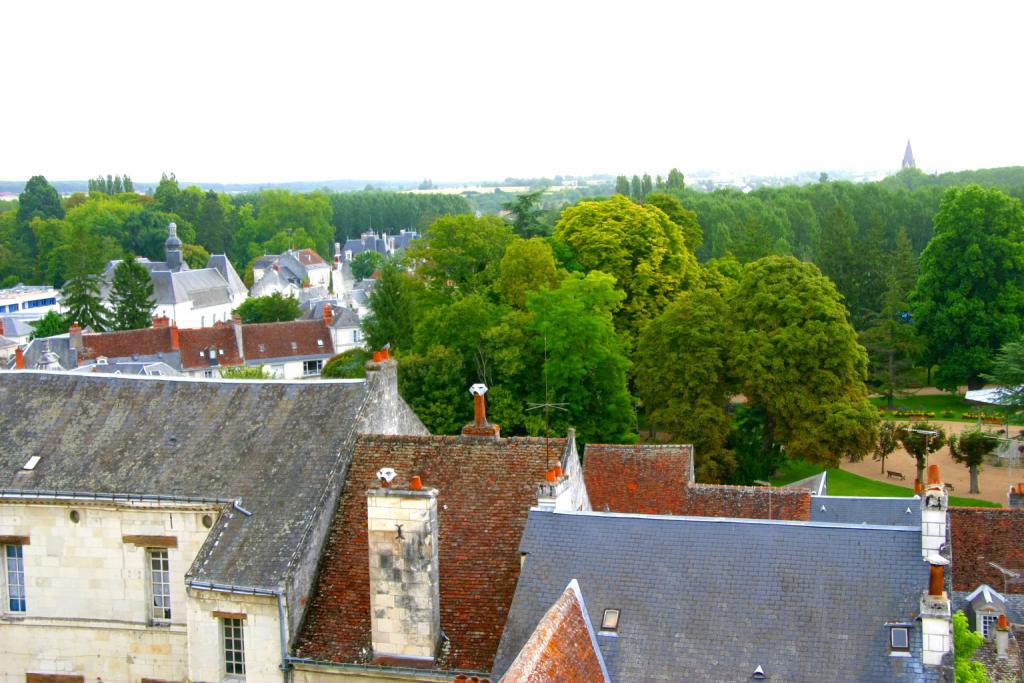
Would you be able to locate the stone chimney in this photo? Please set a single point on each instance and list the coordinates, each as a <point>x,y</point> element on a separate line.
<point>1016,497</point>
<point>19,359</point>
<point>480,425</point>
<point>936,620</point>
<point>555,492</point>
<point>405,601</point>
<point>1002,636</point>
<point>934,504</point>
<point>236,326</point>
<point>382,404</point>
<point>75,337</point>
<point>175,338</point>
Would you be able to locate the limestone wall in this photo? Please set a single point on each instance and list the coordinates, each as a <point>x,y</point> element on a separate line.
<point>261,634</point>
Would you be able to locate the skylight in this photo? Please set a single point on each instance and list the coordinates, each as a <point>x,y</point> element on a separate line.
<point>610,620</point>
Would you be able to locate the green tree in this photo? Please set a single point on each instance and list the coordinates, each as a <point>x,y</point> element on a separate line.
<point>965,643</point>
<point>282,210</point>
<point>682,377</point>
<point>639,246</point>
<point>646,187</point>
<point>38,200</point>
<point>526,212</point>
<point>269,309</point>
<point>970,449</point>
<point>213,229</point>
<point>584,363</point>
<point>622,185</point>
<point>244,372</point>
<point>462,252</point>
<point>920,439</point>
<point>393,310</point>
<point>528,265</point>
<point>636,190</point>
<point>82,302</point>
<point>685,219</point>
<point>432,383</point>
<point>131,295</point>
<point>195,256</point>
<point>970,292</point>
<point>1008,374</point>
<point>675,181</point>
<point>365,264</point>
<point>349,364</point>
<point>887,441</point>
<point>798,357</point>
<point>49,325</point>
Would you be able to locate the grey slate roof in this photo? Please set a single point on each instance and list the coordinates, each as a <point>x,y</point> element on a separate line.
<point>274,445</point>
<point>17,327</point>
<point>710,599</point>
<point>855,510</point>
<point>222,265</point>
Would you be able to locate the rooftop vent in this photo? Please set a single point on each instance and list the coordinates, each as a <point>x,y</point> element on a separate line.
<point>31,464</point>
<point>759,674</point>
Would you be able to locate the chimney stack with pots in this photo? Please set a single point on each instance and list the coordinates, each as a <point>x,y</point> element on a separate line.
<point>161,321</point>
<point>328,314</point>
<point>1016,497</point>
<point>75,337</point>
<point>175,338</point>
<point>934,504</point>
<point>480,425</point>
<point>935,614</point>
<point>555,492</point>
<point>385,405</point>
<point>19,359</point>
<point>1002,636</point>
<point>405,600</point>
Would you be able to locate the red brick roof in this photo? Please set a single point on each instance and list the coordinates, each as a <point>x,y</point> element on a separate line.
<point>655,480</point>
<point>308,257</point>
<point>281,340</point>
<point>486,487</point>
<point>201,339</point>
<point>145,342</point>
<point>642,479</point>
<point>562,647</point>
<point>983,535</point>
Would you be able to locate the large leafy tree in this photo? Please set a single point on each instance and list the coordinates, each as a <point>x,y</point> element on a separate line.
<point>269,309</point>
<point>51,324</point>
<point>132,296</point>
<point>526,212</point>
<point>636,244</point>
<point>462,252</point>
<point>920,439</point>
<point>528,265</point>
<point>970,449</point>
<point>887,441</point>
<point>364,265</point>
<point>970,293</point>
<point>684,218</point>
<point>797,356</point>
<point>393,309</point>
<point>682,376</point>
<point>38,200</point>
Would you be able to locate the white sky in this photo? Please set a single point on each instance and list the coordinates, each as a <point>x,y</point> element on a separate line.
<point>249,92</point>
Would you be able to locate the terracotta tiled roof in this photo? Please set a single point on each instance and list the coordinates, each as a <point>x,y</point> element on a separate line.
<point>308,257</point>
<point>486,487</point>
<point>145,342</point>
<point>983,535</point>
<point>562,648</point>
<point>201,339</point>
<point>641,479</point>
<point>280,340</point>
<point>656,480</point>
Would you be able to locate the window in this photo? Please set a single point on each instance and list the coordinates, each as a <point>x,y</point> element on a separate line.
<point>159,586</point>
<point>208,374</point>
<point>312,367</point>
<point>899,639</point>
<point>610,620</point>
<point>357,336</point>
<point>234,647</point>
<point>988,624</point>
<point>14,575</point>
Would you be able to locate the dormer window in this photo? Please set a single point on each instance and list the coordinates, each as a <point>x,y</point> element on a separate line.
<point>610,621</point>
<point>899,640</point>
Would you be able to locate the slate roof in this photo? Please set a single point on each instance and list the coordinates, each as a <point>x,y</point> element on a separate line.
<point>286,339</point>
<point>16,326</point>
<point>562,648</point>
<point>712,599</point>
<point>273,445</point>
<point>342,316</point>
<point>222,265</point>
<point>878,511</point>
<point>486,486</point>
<point>983,535</point>
<point>646,479</point>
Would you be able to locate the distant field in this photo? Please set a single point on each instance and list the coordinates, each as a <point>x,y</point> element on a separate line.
<point>842,483</point>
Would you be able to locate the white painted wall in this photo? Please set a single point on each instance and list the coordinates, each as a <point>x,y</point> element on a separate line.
<point>261,633</point>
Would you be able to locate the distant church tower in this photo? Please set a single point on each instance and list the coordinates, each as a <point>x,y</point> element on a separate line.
<point>908,157</point>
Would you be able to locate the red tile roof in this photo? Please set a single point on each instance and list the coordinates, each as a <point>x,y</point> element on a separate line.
<point>201,339</point>
<point>640,479</point>
<point>562,647</point>
<point>145,342</point>
<point>308,257</point>
<point>983,535</point>
<point>281,340</point>
<point>655,480</point>
<point>486,487</point>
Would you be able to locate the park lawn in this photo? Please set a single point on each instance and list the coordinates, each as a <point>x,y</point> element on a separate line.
<point>945,406</point>
<point>842,483</point>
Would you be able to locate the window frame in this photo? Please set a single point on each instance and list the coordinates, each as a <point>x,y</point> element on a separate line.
<point>318,364</point>
<point>153,585</point>
<point>18,557</point>
<point>899,649</point>
<point>233,667</point>
<point>988,624</point>
<point>614,628</point>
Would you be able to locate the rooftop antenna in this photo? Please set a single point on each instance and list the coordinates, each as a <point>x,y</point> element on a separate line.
<point>547,405</point>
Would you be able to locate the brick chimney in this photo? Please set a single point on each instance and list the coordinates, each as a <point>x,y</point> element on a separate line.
<point>1016,496</point>
<point>236,326</point>
<point>1,327</point>
<point>175,338</point>
<point>936,621</point>
<point>161,321</point>
<point>329,315</point>
<point>75,337</point>
<point>934,504</point>
<point>480,425</point>
<point>405,601</point>
<point>19,359</point>
<point>1002,636</point>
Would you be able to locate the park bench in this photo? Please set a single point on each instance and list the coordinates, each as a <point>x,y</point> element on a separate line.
<point>893,474</point>
<point>950,487</point>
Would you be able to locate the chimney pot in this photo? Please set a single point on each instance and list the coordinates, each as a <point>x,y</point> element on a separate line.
<point>377,356</point>
<point>933,475</point>
<point>558,471</point>
<point>1003,623</point>
<point>416,484</point>
<point>385,353</point>
<point>175,338</point>
<point>550,476</point>
<point>935,580</point>
<point>19,359</point>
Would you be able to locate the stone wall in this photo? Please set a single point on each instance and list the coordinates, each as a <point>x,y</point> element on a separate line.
<point>261,632</point>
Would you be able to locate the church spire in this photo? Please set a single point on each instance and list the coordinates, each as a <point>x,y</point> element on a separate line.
<point>908,157</point>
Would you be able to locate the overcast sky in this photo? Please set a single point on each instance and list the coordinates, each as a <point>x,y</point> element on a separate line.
<point>249,92</point>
